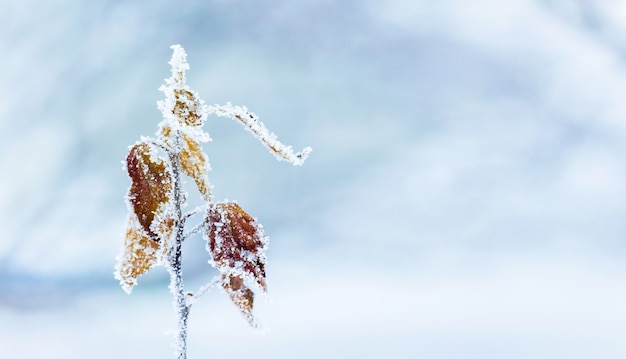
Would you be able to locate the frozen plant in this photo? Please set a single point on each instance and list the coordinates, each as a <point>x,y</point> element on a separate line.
<point>156,221</point>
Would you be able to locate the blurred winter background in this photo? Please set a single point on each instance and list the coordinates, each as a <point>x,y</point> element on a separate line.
<point>465,198</point>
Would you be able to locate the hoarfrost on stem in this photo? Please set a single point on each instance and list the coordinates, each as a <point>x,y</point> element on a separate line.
<point>252,123</point>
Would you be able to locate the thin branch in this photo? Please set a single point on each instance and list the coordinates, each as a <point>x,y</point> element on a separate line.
<point>175,258</point>
<point>252,123</point>
<point>159,144</point>
<point>193,297</point>
<point>194,230</point>
<point>195,211</point>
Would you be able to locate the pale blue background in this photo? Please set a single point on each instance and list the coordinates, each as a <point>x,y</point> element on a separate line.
<point>465,197</point>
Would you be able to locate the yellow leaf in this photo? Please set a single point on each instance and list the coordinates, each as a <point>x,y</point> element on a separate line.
<point>187,107</point>
<point>194,164</point>
<point>140,253</point>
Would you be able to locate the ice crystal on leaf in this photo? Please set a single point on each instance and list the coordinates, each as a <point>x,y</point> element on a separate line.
<point>236,242</point>
<point>151,188</point>
<point>156,223</point>
<point>150,222</point>
<point>141,252</point>
<point>237,245</point>
<point>240,295</point>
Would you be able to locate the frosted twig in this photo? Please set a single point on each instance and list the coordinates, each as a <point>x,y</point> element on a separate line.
<point>194,230</point>
<point>193,297</point>
<point>195,211</point>
<point>251,122</point>
<point>157,143</point>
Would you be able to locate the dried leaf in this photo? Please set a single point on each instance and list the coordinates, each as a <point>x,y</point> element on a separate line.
<point>188,107</point>
<point>151,188</point>
<point>163,225</point>
<point>240,295</point>
<point>194,164</point>
<point>236,242</point>
<point>140,253</point>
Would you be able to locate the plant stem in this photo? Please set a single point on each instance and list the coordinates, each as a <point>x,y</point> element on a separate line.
<point>180,302</point>
<point>175,257</point>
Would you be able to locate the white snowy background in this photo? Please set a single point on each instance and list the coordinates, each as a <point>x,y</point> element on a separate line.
<point>466,196</point>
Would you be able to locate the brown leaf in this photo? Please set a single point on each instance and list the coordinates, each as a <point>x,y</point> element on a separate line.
<point>151,187</point>
<point>240,295</point>
<point>194,164</point>
<point>236,242</point>
<point>140,253</point>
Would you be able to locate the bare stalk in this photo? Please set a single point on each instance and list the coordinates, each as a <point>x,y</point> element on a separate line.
<point>175,259</point>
